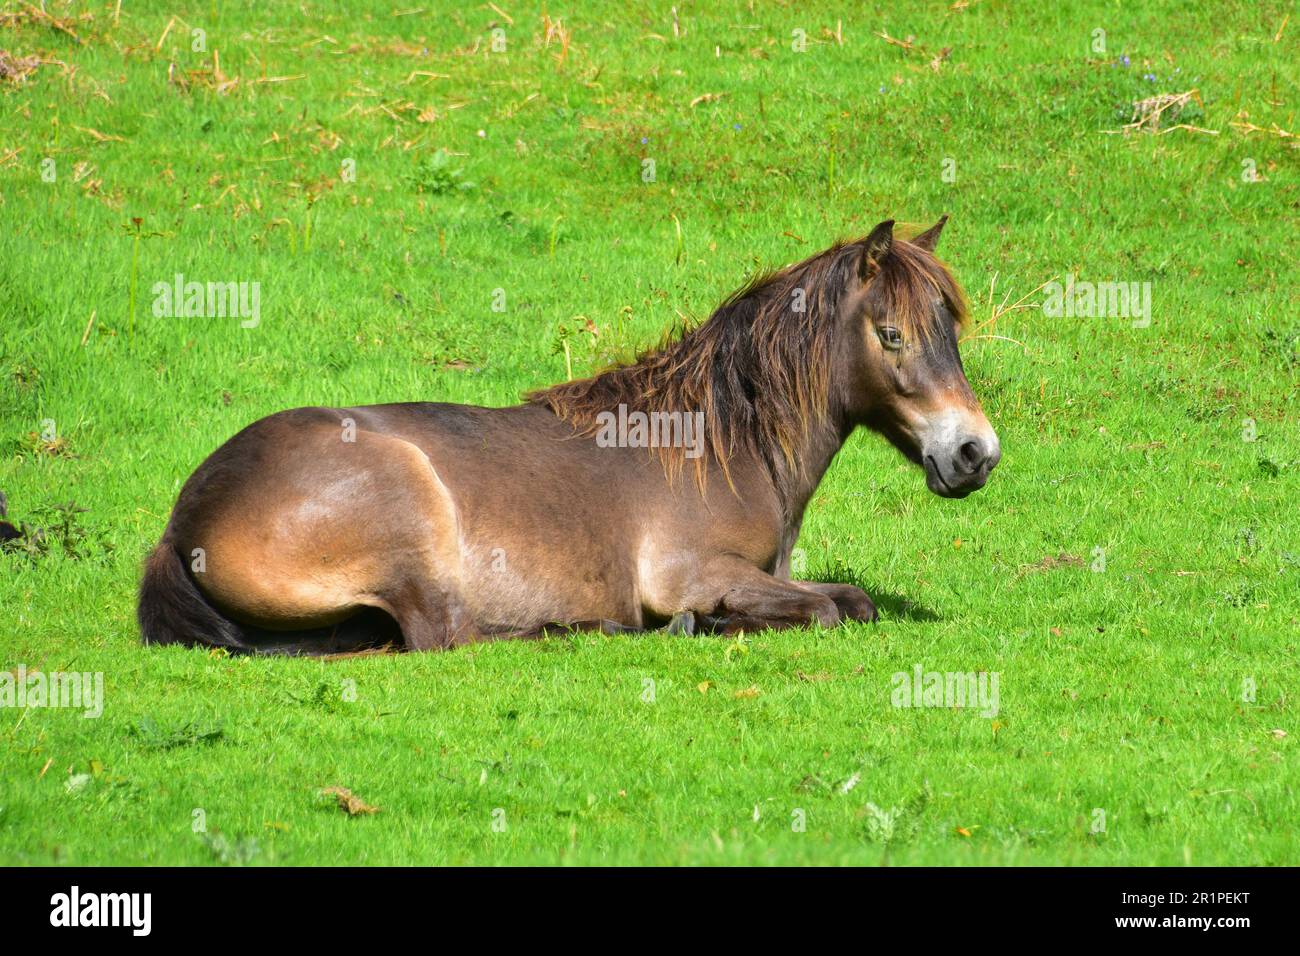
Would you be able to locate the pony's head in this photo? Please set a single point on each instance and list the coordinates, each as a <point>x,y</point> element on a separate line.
<point>864,333</point>
<point>905,374</point>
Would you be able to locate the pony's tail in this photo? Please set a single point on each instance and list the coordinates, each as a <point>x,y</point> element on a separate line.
<point>172,610</point>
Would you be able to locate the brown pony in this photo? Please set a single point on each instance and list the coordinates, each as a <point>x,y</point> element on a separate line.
<point>667,491</point>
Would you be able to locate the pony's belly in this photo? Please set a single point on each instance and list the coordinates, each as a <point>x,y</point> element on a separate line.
<point>523,594</point>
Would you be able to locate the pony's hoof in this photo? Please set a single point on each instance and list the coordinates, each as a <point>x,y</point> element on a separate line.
<point>855,605</point>
<point>862,609</point>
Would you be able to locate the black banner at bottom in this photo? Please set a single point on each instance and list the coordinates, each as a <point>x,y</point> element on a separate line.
<point>333,906</point>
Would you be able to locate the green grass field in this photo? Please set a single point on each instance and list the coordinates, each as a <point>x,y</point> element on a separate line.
<point>1130,571</point>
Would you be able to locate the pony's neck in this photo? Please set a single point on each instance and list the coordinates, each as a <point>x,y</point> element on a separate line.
<point>821,442</point>
<point>799,386</point>
<point>759,370</point>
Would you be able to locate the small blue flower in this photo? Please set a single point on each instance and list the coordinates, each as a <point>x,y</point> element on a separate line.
<point>1150,77</point>
<point>735,125</point>
<point>644,140</point>
<point>1124,59</point>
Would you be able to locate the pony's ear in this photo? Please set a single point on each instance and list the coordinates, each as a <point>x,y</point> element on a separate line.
<point>930,238</point>
<point>875,247</point>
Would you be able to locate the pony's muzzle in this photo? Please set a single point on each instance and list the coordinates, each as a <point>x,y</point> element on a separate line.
<point>959,457</point>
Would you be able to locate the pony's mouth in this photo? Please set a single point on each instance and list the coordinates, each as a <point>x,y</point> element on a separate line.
<point>934,480</point>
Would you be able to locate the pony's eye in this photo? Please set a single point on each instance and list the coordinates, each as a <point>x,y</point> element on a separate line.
<point>890,338</point>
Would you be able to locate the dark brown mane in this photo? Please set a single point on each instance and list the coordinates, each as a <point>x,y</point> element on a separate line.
<point>758,369</point>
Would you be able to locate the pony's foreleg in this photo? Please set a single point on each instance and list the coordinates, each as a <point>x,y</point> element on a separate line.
<point>746,597</point>
<point>853,602</point>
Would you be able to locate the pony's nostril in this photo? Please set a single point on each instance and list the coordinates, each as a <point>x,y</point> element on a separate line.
<point>971,455</point>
